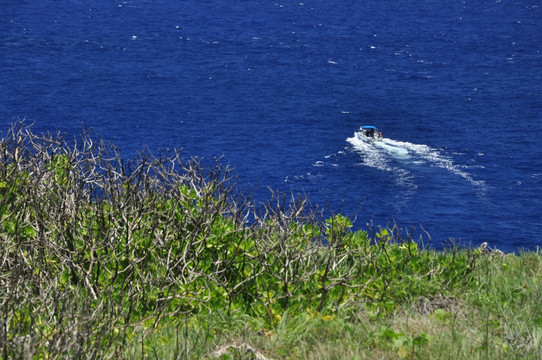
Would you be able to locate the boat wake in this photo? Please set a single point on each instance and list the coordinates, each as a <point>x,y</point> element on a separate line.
<point>404,158</point>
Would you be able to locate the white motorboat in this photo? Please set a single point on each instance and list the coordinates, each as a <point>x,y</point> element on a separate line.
<point>369,133</point>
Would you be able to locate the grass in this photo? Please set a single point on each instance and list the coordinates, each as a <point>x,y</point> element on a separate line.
<point>500,318</point>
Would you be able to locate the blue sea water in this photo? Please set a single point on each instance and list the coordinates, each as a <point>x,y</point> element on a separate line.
<point>278,90</point>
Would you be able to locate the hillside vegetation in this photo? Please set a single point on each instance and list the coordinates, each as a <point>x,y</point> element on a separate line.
<point>162,258</point>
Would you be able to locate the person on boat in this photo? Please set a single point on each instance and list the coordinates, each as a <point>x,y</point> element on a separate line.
<point>380,134</point>
<point>371,133</point>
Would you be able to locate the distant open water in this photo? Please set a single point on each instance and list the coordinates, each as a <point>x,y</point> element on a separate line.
<point>279,89</point>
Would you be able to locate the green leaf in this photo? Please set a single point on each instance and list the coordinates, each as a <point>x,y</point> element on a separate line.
<point>420,340</point>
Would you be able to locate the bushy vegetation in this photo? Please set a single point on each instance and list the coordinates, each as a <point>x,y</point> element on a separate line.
<point>161,257</point>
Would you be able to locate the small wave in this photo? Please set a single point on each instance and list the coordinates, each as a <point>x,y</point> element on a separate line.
<point>307,177</point>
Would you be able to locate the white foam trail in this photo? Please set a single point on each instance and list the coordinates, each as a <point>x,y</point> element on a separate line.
<point>380,155</point>
<point>392,149</point>
<point>375,157</point>
<point>434,157</point>
<point>372,156</point>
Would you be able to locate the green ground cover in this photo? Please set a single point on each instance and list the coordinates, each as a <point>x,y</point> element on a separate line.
<point>162,258</point>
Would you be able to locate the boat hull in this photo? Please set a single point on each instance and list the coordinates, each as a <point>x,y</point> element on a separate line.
<point>368,139</point>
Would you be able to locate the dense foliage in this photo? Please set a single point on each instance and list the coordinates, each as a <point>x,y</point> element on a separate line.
<point>93,246</point>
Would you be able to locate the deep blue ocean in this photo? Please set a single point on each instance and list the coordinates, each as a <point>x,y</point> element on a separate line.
<point>278,90</point>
